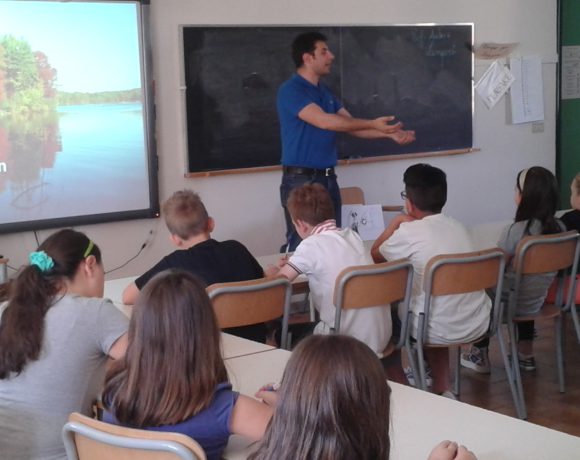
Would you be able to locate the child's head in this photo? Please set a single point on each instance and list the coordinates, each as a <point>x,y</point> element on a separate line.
<point>426,187</point>
<point>67,261</point>
<point>310,203</point>
<point>335,386</point>
<point>185,215</point>
<point>173,361</point>
<point>575,192</point>
<point>537,197</point>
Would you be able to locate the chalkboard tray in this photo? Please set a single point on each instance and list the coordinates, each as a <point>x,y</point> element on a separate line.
<point>423,74</point>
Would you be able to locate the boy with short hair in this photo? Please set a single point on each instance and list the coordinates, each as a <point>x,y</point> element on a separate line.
<point>420,234</point>
<point>324,252</point>
<point>212,261</point>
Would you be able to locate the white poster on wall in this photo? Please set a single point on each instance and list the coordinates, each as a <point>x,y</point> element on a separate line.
<point>527,91</point>
<point>571,72</point>
<point>494,83</point>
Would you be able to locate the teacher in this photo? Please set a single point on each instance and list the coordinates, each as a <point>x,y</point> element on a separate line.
<point>310,116</point>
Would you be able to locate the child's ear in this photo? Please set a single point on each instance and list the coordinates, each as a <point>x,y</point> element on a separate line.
<point>176,240</point>
<point>90,264</point>
<point>210,224</point>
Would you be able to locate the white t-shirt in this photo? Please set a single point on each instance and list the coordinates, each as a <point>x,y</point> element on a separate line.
<point>321,257</point>
<point>34,405</point>
<point>452,318</point>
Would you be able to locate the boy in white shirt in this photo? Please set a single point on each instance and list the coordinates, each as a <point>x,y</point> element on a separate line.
<point>420,234</point>
<point>324,252</point>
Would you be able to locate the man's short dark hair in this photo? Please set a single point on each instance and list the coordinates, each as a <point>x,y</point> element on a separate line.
<point>426,187</point>
<point>305,43</point>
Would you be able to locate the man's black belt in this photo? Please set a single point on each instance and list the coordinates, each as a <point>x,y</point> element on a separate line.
<point>300,171</point>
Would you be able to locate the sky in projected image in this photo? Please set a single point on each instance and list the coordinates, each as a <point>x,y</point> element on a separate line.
<point>94,46</point>
<point>72,130</point>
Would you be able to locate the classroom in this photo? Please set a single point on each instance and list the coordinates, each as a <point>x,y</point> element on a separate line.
<point>481,182</point>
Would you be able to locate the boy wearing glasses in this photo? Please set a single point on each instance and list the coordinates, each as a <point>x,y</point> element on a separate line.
<point>420,234</point>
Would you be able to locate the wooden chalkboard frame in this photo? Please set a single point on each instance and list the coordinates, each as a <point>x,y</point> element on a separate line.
<point>226,100</point>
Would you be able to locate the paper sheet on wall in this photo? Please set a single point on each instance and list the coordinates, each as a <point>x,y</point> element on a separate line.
<point>494,83</point>
<point>571,72</point>
<point>527,92</point>
<point>366,220</point>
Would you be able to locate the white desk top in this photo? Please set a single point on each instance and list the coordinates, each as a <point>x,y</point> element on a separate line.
<point>420,420</point>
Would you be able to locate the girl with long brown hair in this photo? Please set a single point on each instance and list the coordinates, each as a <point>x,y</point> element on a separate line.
<point>334,404</point>
<point>56,333</point>
<point>173,377</point>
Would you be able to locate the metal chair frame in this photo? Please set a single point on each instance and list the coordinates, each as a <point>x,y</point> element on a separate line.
<point>536,255</point>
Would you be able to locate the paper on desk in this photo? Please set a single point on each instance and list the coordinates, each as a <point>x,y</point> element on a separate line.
<point>494,83</point>
<point>366,220</point>
<point>493,50</point>
<point>527,92</point>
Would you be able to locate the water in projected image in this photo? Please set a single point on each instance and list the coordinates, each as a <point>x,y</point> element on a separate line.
<point>72,131</point>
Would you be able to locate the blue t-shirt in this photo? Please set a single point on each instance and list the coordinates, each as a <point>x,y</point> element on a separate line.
<point>210,428</point>
<point>302,143</point>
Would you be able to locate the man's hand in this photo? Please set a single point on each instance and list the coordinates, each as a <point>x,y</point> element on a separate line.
<point>403,137</point>
<point>382,124</point>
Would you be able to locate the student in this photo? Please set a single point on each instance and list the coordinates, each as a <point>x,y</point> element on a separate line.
<point>335,387</point>
<point>56,334</point>
<point>173,377</point>
<point>536,199</point>
<point>212,261</point>
<point>420,234</point>
<point>572,218</point>
<point>324,252</point>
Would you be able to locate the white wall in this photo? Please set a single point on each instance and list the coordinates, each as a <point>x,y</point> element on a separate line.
<point>246,206</point>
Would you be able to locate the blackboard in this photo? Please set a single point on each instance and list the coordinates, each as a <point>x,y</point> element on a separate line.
<point>421,73</point>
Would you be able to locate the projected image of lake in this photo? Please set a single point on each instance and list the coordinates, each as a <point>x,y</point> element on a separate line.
<point>96,151</point>
<point>73,124</point>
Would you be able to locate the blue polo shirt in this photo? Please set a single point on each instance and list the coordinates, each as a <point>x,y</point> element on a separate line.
<point>302,143</point>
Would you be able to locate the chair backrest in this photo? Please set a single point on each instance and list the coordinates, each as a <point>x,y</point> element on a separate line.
<point>89,439</point>
<point>545,254</point>
<point>364,286</point>
<point>252,302</point>
<point>352,195</point>
<point>449,274</point>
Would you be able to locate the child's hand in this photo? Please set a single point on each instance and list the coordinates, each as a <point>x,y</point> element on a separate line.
<point>268,393</point>
<point>283,260</point>
<point>447,450</point>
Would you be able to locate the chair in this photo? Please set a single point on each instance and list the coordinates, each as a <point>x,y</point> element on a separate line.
<point>370,285</point>
<point>89,439</point>
<point>355,195</point>
<point>450,274</point>
<point>244,303</point>
<point>536,255</point>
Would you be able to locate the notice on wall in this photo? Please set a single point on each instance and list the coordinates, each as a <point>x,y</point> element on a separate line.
<point>527,91</point>
<point>570,72</point>
<point>494,83</point>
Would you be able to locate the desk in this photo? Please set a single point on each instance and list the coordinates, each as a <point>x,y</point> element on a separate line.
<point>420,420</point>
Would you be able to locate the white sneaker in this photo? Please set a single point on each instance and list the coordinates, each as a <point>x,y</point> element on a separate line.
<point>476,359</point>
<point>411,378</point>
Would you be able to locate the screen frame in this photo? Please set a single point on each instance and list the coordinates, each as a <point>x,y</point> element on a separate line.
<point>149,118</point>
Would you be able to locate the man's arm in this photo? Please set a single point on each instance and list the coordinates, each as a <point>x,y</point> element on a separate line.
<point>401,136</point>
<point>391,228</point>
<point>314,115</point>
